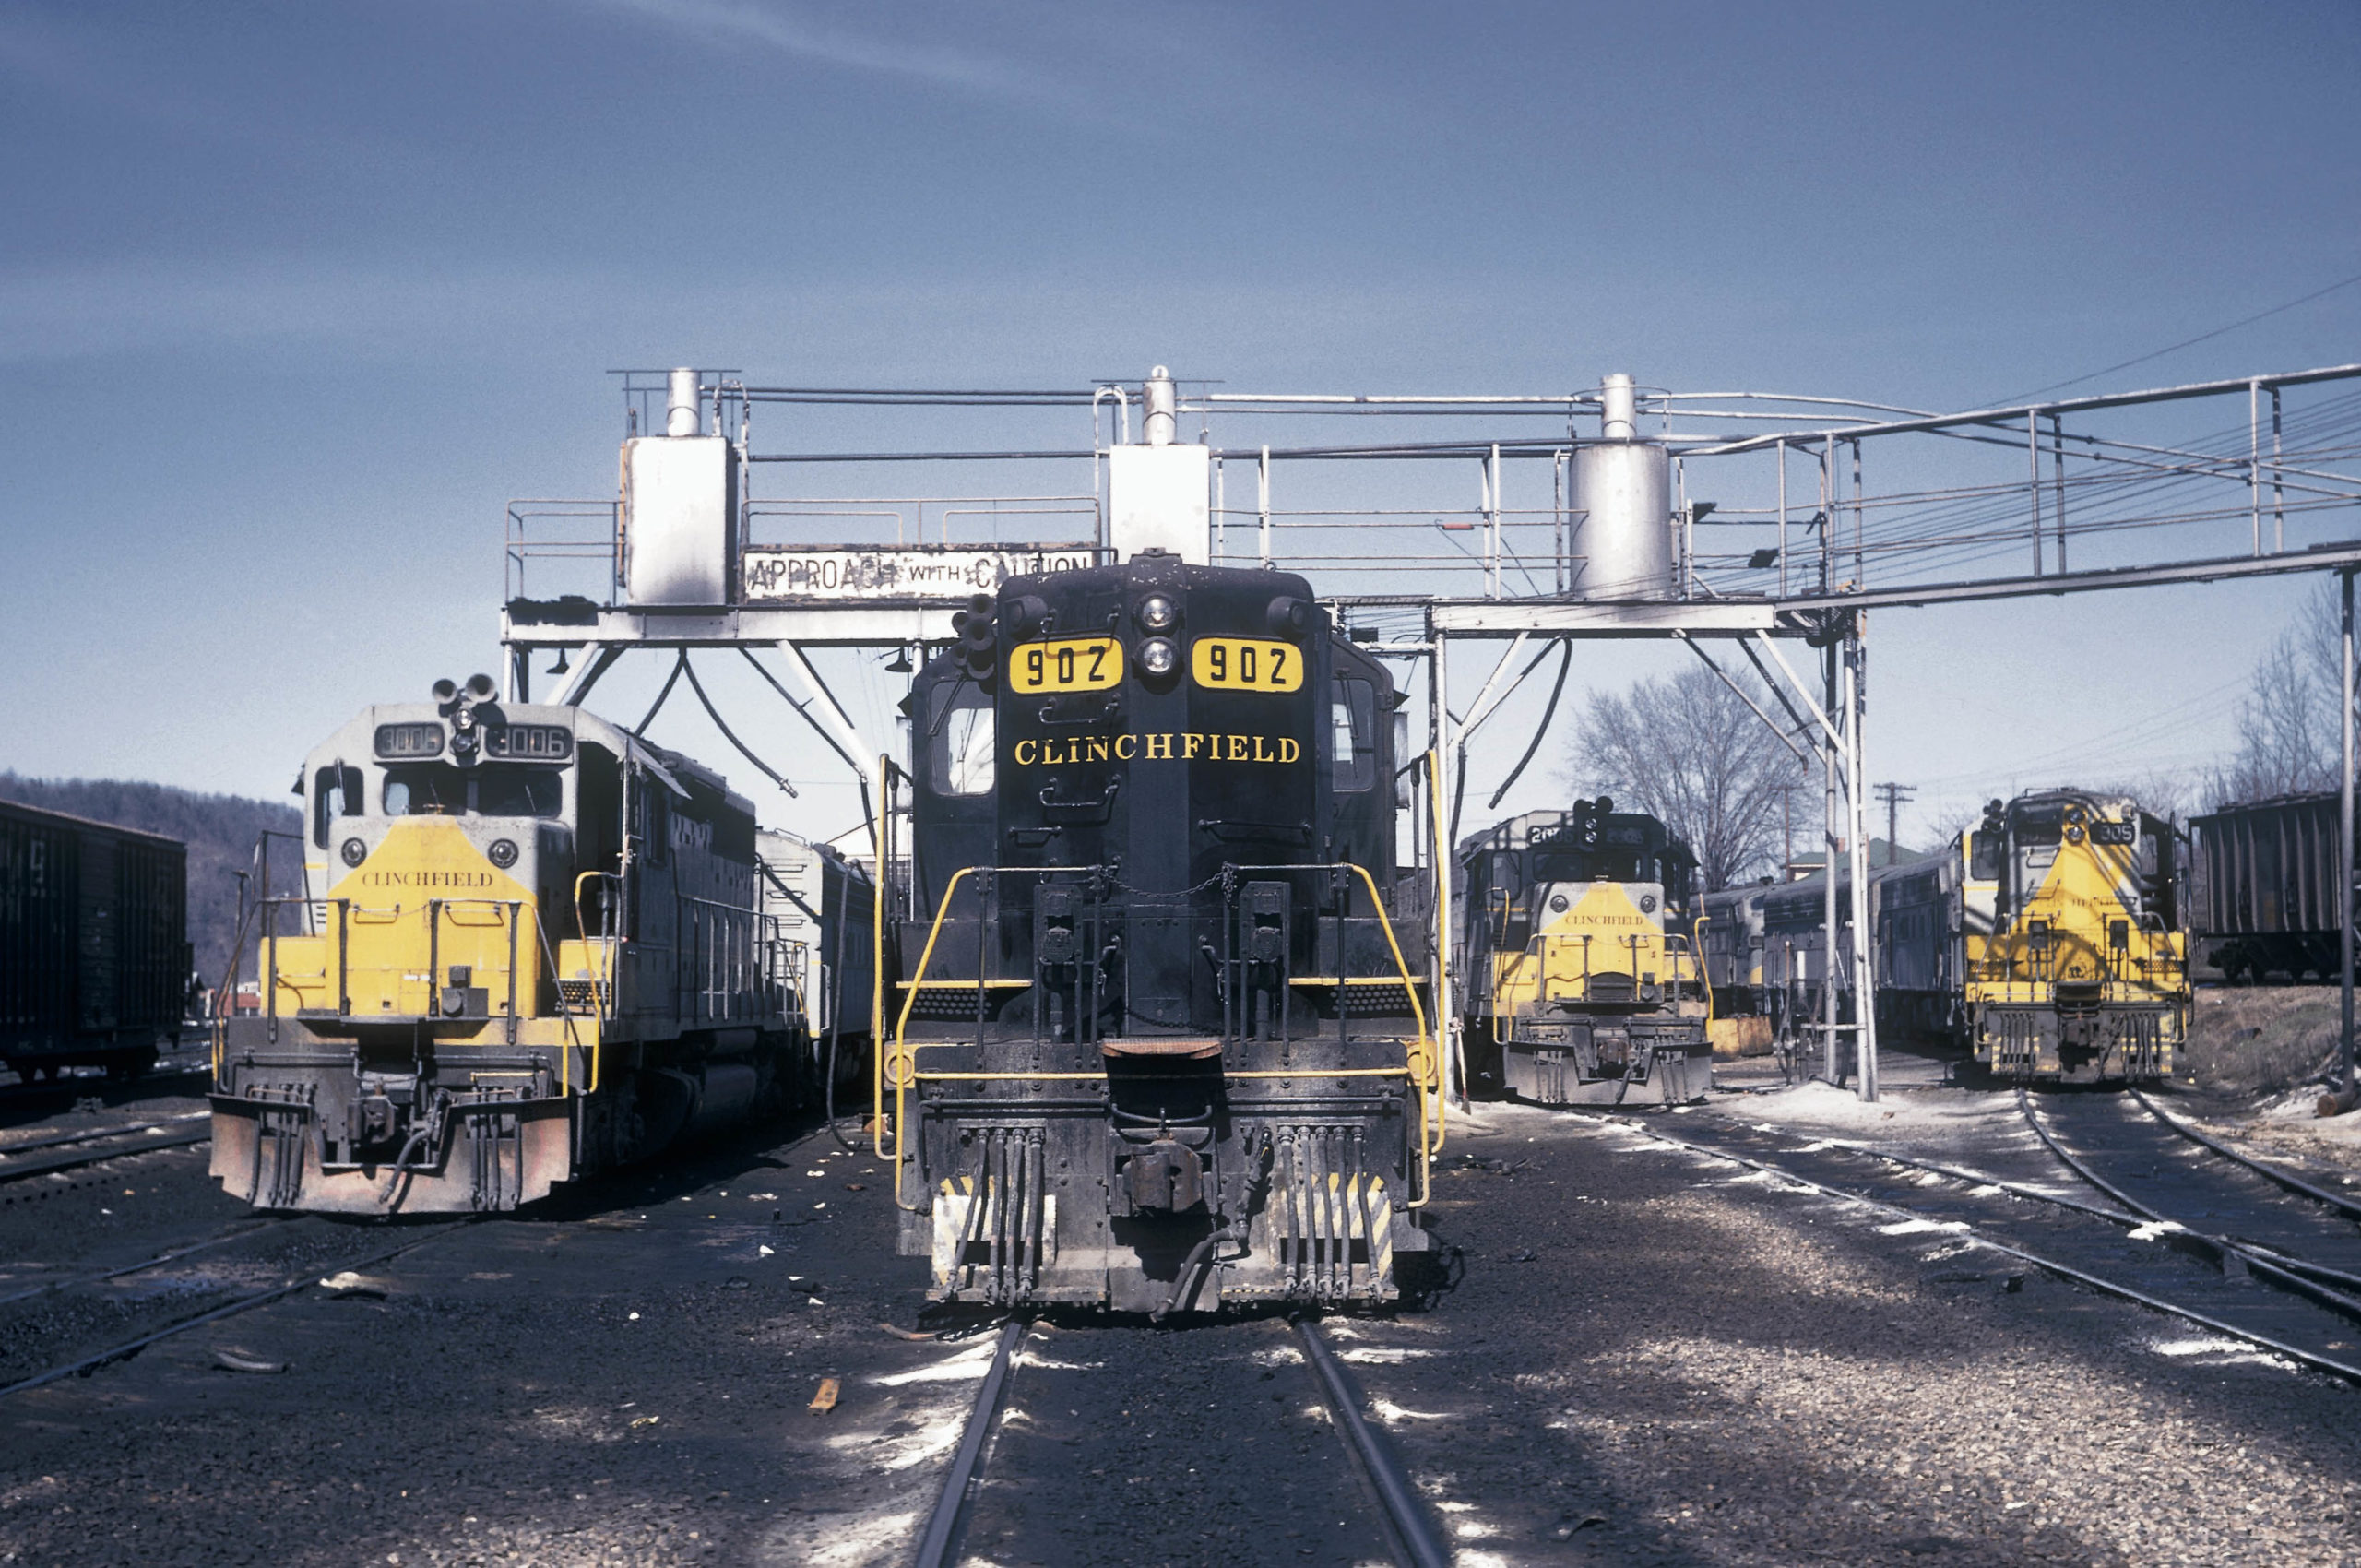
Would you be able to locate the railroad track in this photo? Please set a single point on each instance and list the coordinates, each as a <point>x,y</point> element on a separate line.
<point>1398,1528</point>
<point>2113,1248</point>
<point>154,1081</point>
<point>64,1151</point>
<point>2284,1230</point>
<point>289,1283</point>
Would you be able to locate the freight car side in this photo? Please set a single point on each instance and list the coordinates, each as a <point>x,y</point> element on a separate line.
<point>94,956</point>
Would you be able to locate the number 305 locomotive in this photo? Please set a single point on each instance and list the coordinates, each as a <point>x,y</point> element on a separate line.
<point>1154,1000</point>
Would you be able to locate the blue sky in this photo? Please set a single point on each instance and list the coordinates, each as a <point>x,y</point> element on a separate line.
<point>293,298</point>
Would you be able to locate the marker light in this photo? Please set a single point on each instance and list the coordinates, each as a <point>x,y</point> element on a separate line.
<point>354,851</point>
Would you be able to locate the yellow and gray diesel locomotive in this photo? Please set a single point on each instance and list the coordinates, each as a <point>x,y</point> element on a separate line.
<point>530,945</point>
<point>2046,941</point>
<point>1154,999</point>
<point>1578,960</point>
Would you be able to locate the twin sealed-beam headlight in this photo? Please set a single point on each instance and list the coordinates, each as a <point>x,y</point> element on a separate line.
<point>1158,656</point>
<point>1158,613</point>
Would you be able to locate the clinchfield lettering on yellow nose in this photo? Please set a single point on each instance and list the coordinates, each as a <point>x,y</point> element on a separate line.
<point>1170,745</point>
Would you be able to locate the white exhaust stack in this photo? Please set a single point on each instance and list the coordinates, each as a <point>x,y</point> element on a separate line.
<point>1618,414</point>
<point>1163,409</point>
<point>681,404</point>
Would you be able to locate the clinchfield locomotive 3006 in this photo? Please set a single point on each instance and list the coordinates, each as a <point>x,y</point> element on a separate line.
<point>530,945</point>
<point>1153,1002</point>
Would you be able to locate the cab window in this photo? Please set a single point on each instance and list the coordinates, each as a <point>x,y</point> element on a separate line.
<point>1353,721</point>
<point>336,791</point>
<point>440,790</point>
<point>1983,855</point>
<point>963,752</point>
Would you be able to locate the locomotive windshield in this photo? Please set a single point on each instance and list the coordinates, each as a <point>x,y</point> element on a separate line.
<point>1354,719</point>
<point>441,790</point>
<point>963,752</point>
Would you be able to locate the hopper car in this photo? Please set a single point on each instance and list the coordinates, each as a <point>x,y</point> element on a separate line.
<point>2262,888</point>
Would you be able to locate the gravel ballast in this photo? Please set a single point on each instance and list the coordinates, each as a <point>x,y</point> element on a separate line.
<point>1643,1356</point>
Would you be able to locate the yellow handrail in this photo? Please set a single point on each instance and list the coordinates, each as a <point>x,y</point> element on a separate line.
<point>1419,1069</point>
<point>904,1065</point>
<point>877,894</point>
<point>607,946</point>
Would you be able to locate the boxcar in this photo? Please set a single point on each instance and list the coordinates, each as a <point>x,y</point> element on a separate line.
<point>94,956</point>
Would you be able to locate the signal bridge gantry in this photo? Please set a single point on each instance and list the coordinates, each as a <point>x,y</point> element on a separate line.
<point>1607,534</point>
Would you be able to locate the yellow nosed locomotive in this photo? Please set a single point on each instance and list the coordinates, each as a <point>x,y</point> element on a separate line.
<point>2046,940</point>
<point>530,945</point>
<point>1153,996</point>
<point>2072,964</point>
<point>1578,959</point>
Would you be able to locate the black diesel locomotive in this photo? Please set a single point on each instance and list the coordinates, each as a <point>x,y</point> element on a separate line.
<point>1157,1033</point>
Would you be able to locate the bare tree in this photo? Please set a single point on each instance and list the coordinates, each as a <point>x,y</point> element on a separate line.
<point>2288,737</point>
<point>1685,749</point>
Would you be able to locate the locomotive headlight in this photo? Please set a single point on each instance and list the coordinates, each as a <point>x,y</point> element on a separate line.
<point>1158,657</point>
<point>1158,613</point>
<point>503,852</point>
<point>353,851</point>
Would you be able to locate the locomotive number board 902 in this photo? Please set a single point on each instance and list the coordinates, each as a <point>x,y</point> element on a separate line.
<point>1067,664</point>
<point>1247,664</point>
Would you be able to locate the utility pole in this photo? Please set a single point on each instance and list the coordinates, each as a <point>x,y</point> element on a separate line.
<point>1894,795</point>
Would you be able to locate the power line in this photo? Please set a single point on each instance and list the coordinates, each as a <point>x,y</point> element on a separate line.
<point>2186,343</point>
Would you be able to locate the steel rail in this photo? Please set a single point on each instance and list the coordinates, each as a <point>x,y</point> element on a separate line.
<point>2113,1216</point>
<point>2049,1266</point>
<point>243,1303</point>
<point>1415,1541</point>
<point>2293,1182</point>
<point>46,1286</point>
<point>938,1542</point>
<point>93,1157</point>
<point>148,1125</point>
<point>2295,1273</point>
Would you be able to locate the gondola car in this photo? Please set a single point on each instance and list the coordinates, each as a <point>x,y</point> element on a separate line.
<point>94,953</point>
<point>1155,997</point>
<point>529,945</point>
<point>1579,962</point>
